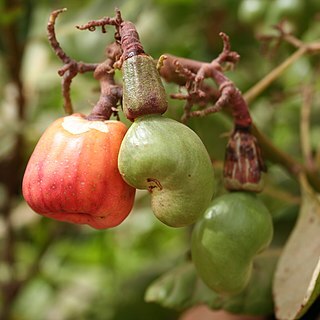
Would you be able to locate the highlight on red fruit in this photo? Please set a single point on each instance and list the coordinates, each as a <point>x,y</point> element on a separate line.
<point>73,174</point>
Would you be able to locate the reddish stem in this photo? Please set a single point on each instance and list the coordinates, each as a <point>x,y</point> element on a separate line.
<point>71,67</point>
<point>243,163</point>
<point>130,41</point>
<point>126,34</point>
<point>192,73</point>
<point>92,25</point>
<point>231,95</point>
<point>111,93</point>
<point>52,36</point>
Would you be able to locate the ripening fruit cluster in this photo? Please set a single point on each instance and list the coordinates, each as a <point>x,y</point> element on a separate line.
<point>86,172</point>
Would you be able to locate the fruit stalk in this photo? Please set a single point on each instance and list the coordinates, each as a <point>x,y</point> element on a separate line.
<point>110,92</point>
<point>130,40</point>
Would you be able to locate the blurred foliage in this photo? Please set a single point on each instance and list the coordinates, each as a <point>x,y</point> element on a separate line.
<point>87,274</point>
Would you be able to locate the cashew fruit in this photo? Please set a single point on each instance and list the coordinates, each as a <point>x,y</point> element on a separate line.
<point>234,229</point>
<point>168,159</point>
<point>73,173</point>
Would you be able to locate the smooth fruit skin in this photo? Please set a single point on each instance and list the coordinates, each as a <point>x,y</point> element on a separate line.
<point>73,174</point>
<point>235,228</point>
<point>168,159</point>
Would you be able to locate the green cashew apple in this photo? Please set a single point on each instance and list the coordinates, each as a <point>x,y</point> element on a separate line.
<point>168,159</point>
<point>235,228</point>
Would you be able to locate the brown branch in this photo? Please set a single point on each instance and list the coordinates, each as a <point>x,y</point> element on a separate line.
<point>302,49</point>
<point>276,155</point>
<point>92,25</point>
<point>231,96</point>
<point>183,72</point>
<point>111,93</point>
<point>170,73</point>
<point>227,56</point>
<point>195,73</point>
<point>71,67</point>
<point>243,165</point>
<point>269,150</point>
<point>226,90</point>
<point>306,106</point>
<point>274,74</point>
<point>52,36</point>
<point>126,34</point>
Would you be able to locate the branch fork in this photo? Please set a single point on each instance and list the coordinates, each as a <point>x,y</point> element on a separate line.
<point>104,72</point>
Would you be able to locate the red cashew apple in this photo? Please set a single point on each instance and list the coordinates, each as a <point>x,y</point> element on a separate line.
<point>73,174</point>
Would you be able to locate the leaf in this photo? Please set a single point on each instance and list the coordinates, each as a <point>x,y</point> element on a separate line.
<point>180,288</point>
<point>297,281</point>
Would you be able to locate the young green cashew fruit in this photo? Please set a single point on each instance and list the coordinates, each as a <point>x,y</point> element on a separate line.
<point>168,159</point>
<point>73,173</point>
<point>234,229</point>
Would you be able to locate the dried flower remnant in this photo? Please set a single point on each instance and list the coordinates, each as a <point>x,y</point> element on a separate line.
<point>243,165</point>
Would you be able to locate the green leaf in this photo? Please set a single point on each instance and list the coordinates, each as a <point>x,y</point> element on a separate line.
<point>180,288</point>
<point>297,281</point>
